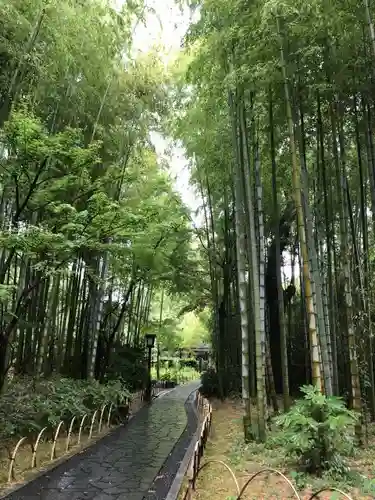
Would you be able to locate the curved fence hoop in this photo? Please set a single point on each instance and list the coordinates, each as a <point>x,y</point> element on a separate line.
<point>315,495</point>
<point>69,434</point>
<point>12,454</point>
<point>101,417</point>
<point>92,423</point>
<point>109,415</point>
<point>13,459</point>
<point>80,427</point>
<point>224,465</point>
<point>275,471</point>
<point>53,450</point>
<point>35,447</point>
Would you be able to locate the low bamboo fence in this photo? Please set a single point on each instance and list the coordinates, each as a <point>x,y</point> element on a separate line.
<point>83,429</point>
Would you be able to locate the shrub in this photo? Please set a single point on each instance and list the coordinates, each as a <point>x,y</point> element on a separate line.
<point>189,363</point>
<point>187,374</point>
<point>170,377</point>
<point>210,383</point>
<point>128,364</point>
<point>29,404</point>
<point>319,430</point>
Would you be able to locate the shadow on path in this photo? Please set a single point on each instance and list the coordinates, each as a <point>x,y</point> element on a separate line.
<point>124,464</point>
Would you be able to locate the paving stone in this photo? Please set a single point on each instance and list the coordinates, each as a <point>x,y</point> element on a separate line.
<point>125,463</point>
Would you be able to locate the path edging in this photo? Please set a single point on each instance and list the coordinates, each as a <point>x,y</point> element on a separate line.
<point>181,472</point>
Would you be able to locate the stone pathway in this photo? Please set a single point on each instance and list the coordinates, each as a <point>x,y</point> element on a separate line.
<point>124,464</point>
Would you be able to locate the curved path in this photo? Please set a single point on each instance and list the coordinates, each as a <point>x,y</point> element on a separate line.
<point>124,465</point>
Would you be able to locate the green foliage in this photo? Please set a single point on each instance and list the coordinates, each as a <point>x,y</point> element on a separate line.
<point>128,365</point>
<point>299,478</point>
<point>210,383</point>
<point>177,374</point>
<point>90,216</point>
<point>27,405</point>
<point>189,362</point>
<point>169,376</point>
<point>369,486</point>
<point>319,430</point>
<point>179,326</point>
<point>194,330</point>
<point>187,374</point>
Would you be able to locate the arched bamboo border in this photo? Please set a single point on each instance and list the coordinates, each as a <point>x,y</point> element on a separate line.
<point>80,427</point>
<point>262,471</point>
<point>102,410</point>
<point>92,424</point>
<point>69,434</point>
<point>315,495</point>
<point>13,459</point>
<point>35,447</point>
<point>226,467</point>
<point>55,437</point>
<point>109,415</point>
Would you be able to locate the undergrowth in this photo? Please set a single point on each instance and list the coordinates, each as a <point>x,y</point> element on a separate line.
<point>248,457</point>
<point>177,374</point>
<point>314,444</point>
<point>27,405</point>
<point>319,431</point>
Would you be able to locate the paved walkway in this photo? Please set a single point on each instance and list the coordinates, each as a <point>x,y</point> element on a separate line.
<point>124,464</point>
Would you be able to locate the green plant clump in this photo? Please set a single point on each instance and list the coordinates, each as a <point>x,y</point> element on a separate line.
<point>127,363</point>
<point>189,363</point>
<point>176,375</point>
<point>187,374</point>
<point>169,376</point>
<point>319,430</point>
<point>210,383</point>
<point>28,405</point>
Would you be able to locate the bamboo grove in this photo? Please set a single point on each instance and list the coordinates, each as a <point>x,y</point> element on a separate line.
<point>275,107</point>
<point>91,227</point>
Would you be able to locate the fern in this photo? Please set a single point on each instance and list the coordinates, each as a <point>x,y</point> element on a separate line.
<point>319,430</point>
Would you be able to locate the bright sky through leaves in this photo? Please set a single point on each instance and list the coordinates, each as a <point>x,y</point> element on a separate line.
<point>165,29</point>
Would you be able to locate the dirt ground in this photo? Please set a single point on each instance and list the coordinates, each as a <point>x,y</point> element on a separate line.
<point>226,445</point>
